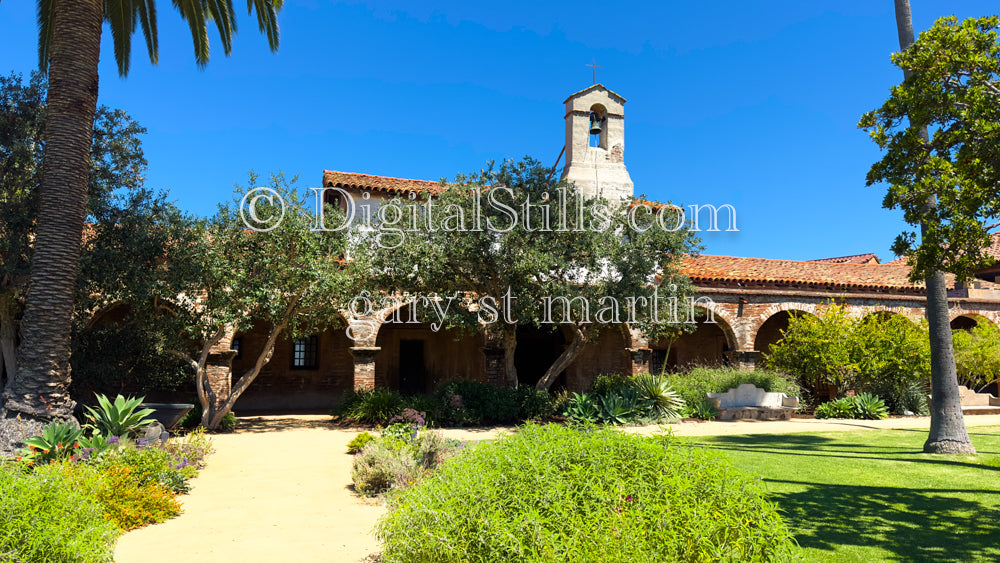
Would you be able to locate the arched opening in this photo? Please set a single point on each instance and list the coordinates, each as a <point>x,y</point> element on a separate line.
<point>709,345</point>
<point>537,349</point>
<point>772,331</point>
<point>598,126</point>
<point>964,322</point>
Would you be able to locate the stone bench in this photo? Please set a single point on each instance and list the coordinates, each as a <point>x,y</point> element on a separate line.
<point>751,402</point>
<point>977,403</point>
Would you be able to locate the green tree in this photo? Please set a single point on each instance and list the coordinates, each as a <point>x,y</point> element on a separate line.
<point>290,279</point>
<point>977,355</point>
<point>69,50</point>
<point>947,183</point>
<point>131,229</point>
<point>817,349</point>
<point>535,251</point>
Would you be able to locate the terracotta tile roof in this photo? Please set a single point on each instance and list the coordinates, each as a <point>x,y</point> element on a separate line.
<point>333,179</point>
<point>707,269</point>
<point>866,258</point>
<point>994,250</point>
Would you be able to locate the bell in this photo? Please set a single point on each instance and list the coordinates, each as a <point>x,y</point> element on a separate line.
<point>595,126</point>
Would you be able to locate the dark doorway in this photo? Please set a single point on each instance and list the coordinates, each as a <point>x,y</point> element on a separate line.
<point>537,349</point>
<point>412,376</point>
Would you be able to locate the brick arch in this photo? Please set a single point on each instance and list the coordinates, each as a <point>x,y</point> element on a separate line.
<point>778,309</point>
<point>974,316</point>
<point>724,321</point>
<point>764,315</point>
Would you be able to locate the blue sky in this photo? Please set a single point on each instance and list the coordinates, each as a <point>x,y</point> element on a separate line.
<point>754,104</point>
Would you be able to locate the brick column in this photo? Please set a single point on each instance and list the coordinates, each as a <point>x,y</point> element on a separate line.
<point>364,366</point>
<point>742,360</point>
<point>219,369</point>
<point>495,363</point>
<point>640,359</point>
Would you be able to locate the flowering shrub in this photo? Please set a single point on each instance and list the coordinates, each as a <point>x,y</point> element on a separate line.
<point>131,503</point>
<point>557,493</point>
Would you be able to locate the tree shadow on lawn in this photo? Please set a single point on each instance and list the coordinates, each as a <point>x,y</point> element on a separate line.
<point>814,446</point>
<point>913,524</point>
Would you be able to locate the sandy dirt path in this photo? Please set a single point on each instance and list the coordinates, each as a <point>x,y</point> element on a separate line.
<point>277,491</point>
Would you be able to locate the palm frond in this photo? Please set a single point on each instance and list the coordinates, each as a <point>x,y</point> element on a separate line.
<point>45,20</point>
<point>193,12</point>
<point>224,14</point>
<point>120,16</point>
<point>267,18</point>
<point>145,11</point>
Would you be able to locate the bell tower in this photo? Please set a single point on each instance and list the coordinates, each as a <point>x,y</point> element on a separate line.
<point>595,144</point>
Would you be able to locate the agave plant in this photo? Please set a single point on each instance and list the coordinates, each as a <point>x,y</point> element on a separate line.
<point>870,407</point>
<point>618,408</point>
<point>654,388</point>
<point>119,418</point>
<point>581,409</point>
<point>57,441</point>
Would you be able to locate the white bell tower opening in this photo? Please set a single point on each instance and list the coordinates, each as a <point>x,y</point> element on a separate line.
<point>595,144</point>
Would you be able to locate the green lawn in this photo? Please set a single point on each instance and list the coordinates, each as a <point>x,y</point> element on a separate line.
<point>873,495</point>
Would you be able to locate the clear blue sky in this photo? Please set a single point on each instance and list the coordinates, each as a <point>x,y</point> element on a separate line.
<point>749,103</point>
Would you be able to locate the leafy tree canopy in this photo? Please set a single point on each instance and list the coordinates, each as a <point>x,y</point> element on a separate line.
<point>954,92</point>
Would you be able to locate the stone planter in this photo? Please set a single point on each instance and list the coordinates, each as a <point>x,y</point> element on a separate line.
<point>168,414</point>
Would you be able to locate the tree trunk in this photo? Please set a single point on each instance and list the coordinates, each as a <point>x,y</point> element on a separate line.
<point>247,378</point>
<point>580,338</point>
<point>8,339</point>
<point>40,389</point>
<point>509,349</point>
<point>947,433</point>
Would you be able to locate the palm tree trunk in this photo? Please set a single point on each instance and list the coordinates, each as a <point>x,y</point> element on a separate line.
<point>8,337</point>
<point>40,389</point>
<point>947,433</point>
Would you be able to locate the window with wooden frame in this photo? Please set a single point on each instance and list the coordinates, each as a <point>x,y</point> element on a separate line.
<point>305,353</point>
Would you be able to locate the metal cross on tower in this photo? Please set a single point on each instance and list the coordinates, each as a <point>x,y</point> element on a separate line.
<point>594,66</point>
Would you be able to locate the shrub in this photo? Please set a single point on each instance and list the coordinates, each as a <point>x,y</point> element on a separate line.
<point>192,450</point>
<point>555,493</point>
<point>359,442</point>
<point>605,384</point>
<point>44,516</point>
<point>228,422</point>
<point>656,389</point>
<point>371,406</point>
<point>475,403</point>
<point>58,441</point>
<point>118,418</point>
<point>693,385</point>
<point>869,407</point>
<point>427,404</point>
<point>398,458</point>
<point>380,467</point>
<point>618,399</point>
<point>840,408</point>
<point>582,409</point>
<point>702,410</point>
<point>149,465</point>
<point>863,406</point>
<point>132,505</point>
